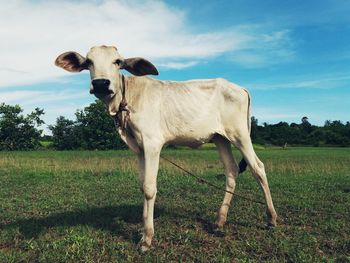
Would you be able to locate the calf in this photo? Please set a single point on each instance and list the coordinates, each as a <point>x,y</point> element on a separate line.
<point>158,113</point>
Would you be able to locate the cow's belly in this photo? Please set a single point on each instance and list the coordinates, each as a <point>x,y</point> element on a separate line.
<point>191,131</point>
<point>193,142</point>
<point>191,136</point>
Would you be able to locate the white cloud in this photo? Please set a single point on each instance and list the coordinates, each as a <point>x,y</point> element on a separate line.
<point>27,97</point>
<point>265,49</point>
<point>55,103</point>
<point>34,33</point>
<point>178,65</point>
<point>324,82</point>
<point>66,109</point>
<point>264,114</point>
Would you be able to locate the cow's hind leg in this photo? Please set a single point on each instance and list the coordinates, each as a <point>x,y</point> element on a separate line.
<point>244,144</point>
<point>231,172</point>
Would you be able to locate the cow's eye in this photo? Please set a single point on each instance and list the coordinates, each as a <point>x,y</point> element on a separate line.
<point>118,62</point>
<point>88,62</point>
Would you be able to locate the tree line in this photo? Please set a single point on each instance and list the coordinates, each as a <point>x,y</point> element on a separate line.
<point>332,133</point>
<point>93,129</point>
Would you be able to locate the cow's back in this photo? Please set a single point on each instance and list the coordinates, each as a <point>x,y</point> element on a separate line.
<point>197,109</point>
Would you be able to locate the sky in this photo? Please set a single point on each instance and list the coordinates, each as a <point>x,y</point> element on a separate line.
<point>293,56</point>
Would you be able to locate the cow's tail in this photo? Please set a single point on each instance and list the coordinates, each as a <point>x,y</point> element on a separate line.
<point>243,164</point>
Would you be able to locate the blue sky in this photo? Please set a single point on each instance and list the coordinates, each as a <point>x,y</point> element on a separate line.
<point>293,56</point>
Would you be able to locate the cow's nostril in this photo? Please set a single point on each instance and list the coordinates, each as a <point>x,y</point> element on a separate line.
<point>101,85</point>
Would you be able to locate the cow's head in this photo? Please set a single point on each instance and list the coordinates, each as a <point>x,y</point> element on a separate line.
<point>104,64</point>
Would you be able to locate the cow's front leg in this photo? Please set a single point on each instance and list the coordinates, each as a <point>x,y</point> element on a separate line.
<point>141,161</point>
<point>151,158</point>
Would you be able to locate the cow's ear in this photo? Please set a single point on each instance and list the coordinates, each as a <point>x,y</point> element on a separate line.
<point>138,66</point>
<point>71,61</point>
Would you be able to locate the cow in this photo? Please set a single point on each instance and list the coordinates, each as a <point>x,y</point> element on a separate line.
<point>154,113</point>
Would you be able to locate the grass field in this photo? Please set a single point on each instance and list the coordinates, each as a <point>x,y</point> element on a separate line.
<point>82,206</point>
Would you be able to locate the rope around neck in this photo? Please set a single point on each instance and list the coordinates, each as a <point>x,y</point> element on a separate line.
<point>118,119</point>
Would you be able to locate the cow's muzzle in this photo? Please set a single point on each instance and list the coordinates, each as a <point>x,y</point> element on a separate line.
<point>100,86</point>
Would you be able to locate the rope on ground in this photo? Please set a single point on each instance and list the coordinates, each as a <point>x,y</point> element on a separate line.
<point>203,181</point>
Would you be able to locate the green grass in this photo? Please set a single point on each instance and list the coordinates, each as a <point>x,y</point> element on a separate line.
<point>46,144</point>
<point>82,206</point>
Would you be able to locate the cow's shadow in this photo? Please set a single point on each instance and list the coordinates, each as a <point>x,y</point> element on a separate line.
<point>121,220</point>
<point>111,218</point>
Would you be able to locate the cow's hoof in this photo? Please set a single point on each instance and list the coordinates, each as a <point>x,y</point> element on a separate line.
<point>218,231</point>
<point>143,247</point>
<point>270,226</point>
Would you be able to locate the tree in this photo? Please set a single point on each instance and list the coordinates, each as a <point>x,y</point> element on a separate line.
<point>253,128</point>
<point>280,133</point>
<point>17,131</point>
<point>256,132</point>
<point>93,129</point>
<point>63,134</point>
<point>336,133</point>
<point>96,129</point>
<point>306,126</point>
<point>304,119</point>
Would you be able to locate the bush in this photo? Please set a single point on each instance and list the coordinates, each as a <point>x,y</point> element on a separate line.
<point>93,129</point>
<point>17,131</point>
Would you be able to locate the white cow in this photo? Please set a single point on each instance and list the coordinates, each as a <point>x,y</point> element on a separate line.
<point>172,112</point>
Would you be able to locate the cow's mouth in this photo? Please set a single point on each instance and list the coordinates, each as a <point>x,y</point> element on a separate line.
<point>101,93</point>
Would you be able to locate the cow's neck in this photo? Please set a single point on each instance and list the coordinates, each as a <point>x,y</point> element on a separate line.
<point>113,105</point>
